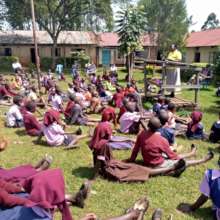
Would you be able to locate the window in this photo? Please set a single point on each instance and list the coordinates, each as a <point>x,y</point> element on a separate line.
<point>58,52</point>
<point>197,57</point>
<point>8,52</point>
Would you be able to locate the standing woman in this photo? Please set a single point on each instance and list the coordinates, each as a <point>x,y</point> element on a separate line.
<point>173,73</point>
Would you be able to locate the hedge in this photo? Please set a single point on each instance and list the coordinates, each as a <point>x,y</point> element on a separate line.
<point>6,62</point>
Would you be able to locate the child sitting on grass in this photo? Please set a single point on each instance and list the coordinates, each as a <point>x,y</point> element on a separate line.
<point>14,118</point>
<point>210,189</point>
<point>215,131</point>
<point>195,128</point>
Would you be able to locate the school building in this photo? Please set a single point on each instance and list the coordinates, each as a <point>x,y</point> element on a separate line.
<point>103,48</point>
<point>202,46</point>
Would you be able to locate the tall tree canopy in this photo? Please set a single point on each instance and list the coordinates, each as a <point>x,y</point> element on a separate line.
<point>131,24</point>
<point>167,18</point>
<point>57,15</point>
<point>211,22</point>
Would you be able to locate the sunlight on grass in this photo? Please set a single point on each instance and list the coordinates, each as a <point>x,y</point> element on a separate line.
<point>111,198</point>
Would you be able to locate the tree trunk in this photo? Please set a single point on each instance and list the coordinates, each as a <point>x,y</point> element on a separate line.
<point>54,46</point>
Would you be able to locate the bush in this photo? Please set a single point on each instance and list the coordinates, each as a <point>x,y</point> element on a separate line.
<point>81,58</point>
<point>216,68</point>
<point>46,63</point>
<point>31,67</point>
<point>6,62</point>
<point>201,65</point>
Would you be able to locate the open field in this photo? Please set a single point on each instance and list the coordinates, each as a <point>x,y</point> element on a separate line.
<point>110,198</point>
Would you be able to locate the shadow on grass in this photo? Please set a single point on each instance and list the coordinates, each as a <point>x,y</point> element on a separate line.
<point>42,143</point>
<point>84,172</point>
<point>21,132</point>
<point>203,213</point>
<point>215,149</point>
<point>211,109</point>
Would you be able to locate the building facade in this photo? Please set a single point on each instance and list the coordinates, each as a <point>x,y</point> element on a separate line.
<point>203,46</point>
<point>102,48</point>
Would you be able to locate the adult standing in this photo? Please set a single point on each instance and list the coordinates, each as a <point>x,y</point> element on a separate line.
<point>173,73</point>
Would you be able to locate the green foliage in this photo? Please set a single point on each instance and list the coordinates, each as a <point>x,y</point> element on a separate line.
<point>167,18</point>
<point>6,62</point>
<point>201,65</point>
<point>211,23</point>
<point>217,65</point>
<point>162,191</point>
<point>131,24</point>
<point>31,67</point>
<point>81,57</point>
<point>46,63</point>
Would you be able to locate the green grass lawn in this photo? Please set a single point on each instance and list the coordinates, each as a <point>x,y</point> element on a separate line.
<point>111,198</point>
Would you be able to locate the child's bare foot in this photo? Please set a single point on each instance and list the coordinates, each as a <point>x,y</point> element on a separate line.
<point>193,149</point>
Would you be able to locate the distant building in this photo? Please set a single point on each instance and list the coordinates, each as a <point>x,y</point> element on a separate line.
<point>103,48</point>
<point>202,46</point>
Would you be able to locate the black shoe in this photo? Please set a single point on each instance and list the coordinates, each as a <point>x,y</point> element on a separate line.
<point>157,215</point>
<point>79,131</point>
<point>179,168</point>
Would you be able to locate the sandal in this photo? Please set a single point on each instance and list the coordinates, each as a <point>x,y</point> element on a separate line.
<point>141,206</point>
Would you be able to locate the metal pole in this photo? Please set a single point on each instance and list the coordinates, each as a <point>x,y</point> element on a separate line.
<point>35,44</point>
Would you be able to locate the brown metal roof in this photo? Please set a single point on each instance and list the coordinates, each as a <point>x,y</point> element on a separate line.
<point>65,37</point>
<point>107,39</point>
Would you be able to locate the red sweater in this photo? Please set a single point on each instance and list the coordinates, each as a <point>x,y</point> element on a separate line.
<point>32,126</point>
<point>7,199</point>
<point>152,145</point>
<point>69,108</point>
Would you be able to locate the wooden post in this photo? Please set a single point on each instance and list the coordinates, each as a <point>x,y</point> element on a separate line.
<point>35,44</point>
<point>163,77</point>
<point>145,79</point>
<point>197,89</point>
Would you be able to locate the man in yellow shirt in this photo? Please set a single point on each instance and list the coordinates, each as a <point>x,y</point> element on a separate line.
<point>173,74</point>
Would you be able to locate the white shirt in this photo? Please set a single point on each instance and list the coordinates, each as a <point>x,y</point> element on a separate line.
<point>13,115</point>
<point>54,134</point>
<point>56,101</point>
<point>127,119</point>
<point>16,65</point>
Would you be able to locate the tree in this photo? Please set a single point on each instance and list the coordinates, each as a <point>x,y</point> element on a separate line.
<point>168,20</point>
<point>131,24</point>
<point>211,22</point>
<point>55,16</point>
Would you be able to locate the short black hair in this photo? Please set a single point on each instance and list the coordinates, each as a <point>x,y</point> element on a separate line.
<point>17,100</point>
<point>171,106</point>
<point>160,99</point>
<point>154,124</point>
<point>163,116</point>
<point>31,106</point>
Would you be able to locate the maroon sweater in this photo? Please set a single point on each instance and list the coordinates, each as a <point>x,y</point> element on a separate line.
<point>152,145</point>
<point>32,126</point>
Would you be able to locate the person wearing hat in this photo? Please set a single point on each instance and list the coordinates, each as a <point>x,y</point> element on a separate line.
<point>210,189</point>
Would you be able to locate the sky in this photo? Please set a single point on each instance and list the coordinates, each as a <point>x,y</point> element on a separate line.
<point>200,9</point>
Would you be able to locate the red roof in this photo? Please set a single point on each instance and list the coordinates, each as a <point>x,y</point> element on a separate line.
<point>204,38</point>
<point>109,39</point>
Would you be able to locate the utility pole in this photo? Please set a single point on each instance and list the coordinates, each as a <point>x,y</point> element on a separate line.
<point>35,44</point>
